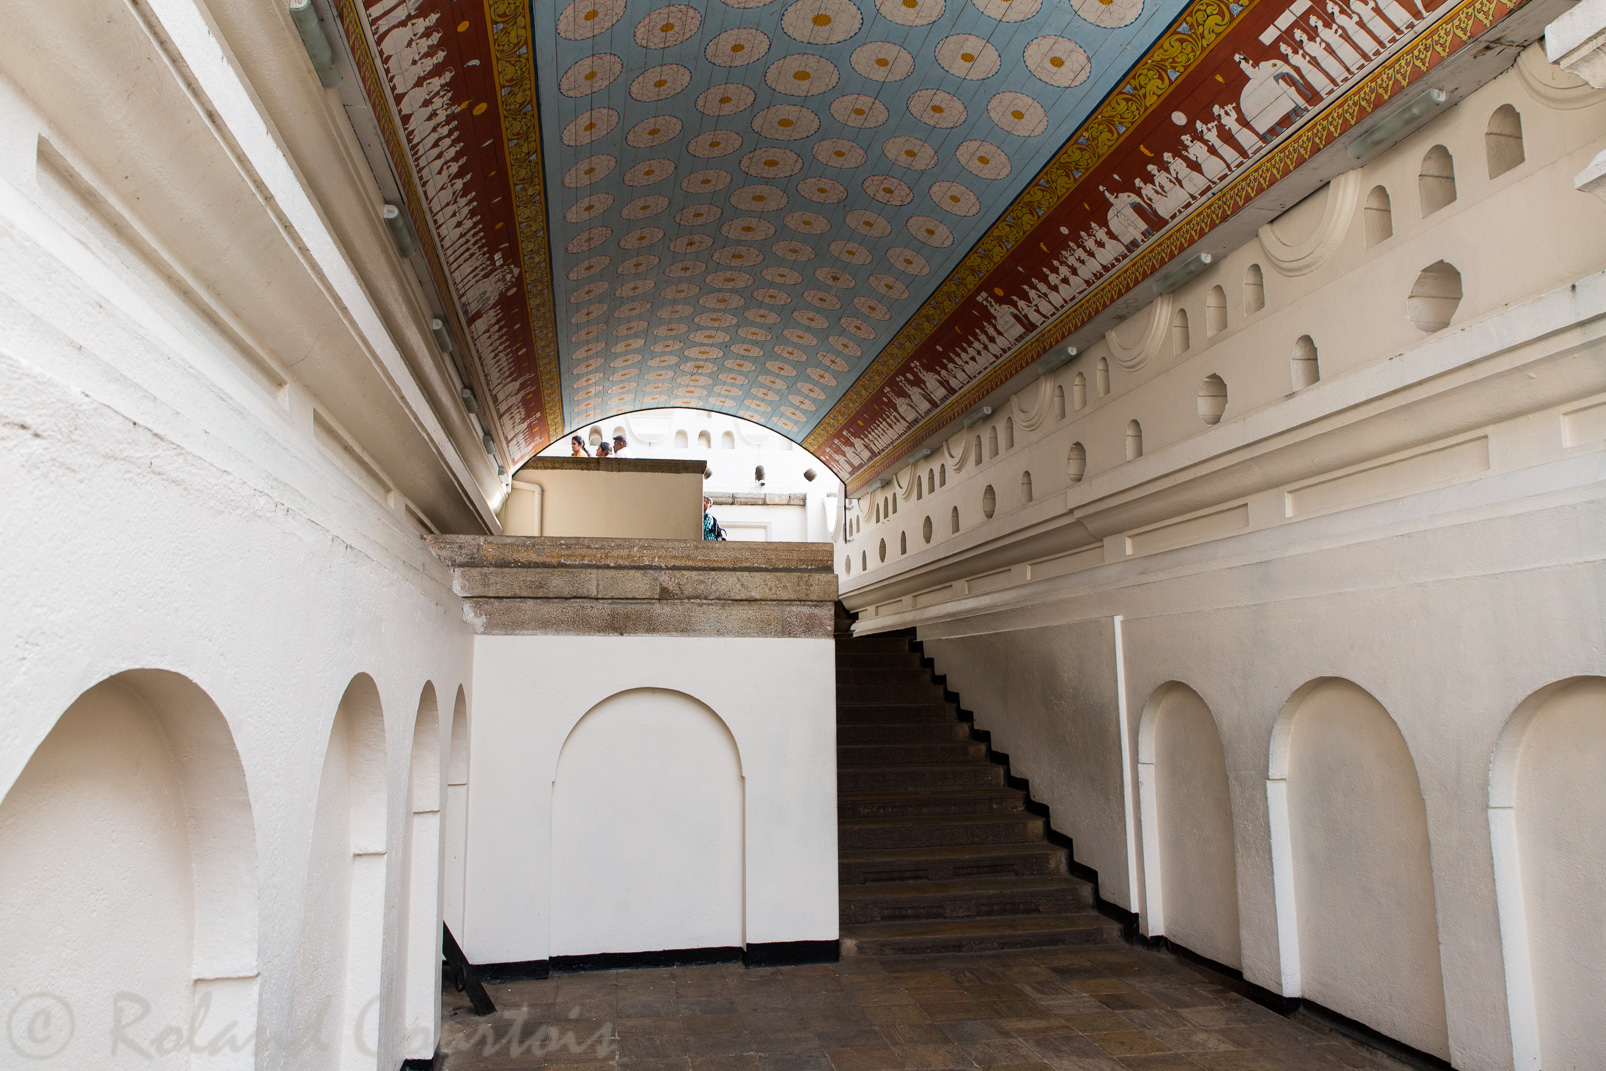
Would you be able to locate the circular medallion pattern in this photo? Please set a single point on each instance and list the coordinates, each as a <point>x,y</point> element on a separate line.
<point>802,75</point>
<point>852,252</point>
<point>642,207</point>
<point>635,288</point>
<point>641,237</point>
<point>726,99</point>
<point>748,229</point>
<point>690,243</point>
<point>955,198</point>
<point>937,108</point>
<point>867,223</point>
<point>758,198</point>
<point>591,265</point>
<point>856,109</point>
<point>1018,114</point>
<point>967,56</point>
<point>983,159</point>
<point>1008,10</point>
<point>590,125</point>
<point>910,152</point>
<point>932,232</point>
<point>738,256</point>
<point>781,275</point>
<point>889,286</point>
<point>591,169</point>
<point>873,308</point>
<point>735,48</point>
<point>1108,13</point>
<point>793,250</point>
<point>835,277</point>
<point>671,25</point>
<point>714,143</point>
<point>821,300</point>
<point>678,291</point>
<point>888,190</point>
<point>731,280</point>
<point>772,163</point>
<point>907,260</point>
<point>588,208</point>
<point>587,292</point>
<point>883,61</point>
<point>660,83</point>
<point>681,269</point>
<point>911,12</point>
<point>822,22</point>
<point>653,132</point>
<point>697,215</point>
<point>710,180</point>
<point>786,122</point>
<point>589,238</point>
<point>650,171</point>
<point>838,152</point>
<point>1059,61</point>
<point>584,19</point>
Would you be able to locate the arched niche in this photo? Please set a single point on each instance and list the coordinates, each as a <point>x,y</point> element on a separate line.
<point>1190,866</point>
<point>1354,881</point>
<point>338,958</point>
<point>1547,818</point>
<point>454,816</point>
<point>424,842</point>
<point>129,859</point>
<point>647,829</point>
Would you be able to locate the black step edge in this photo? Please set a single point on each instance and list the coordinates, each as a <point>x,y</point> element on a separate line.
<point>1034,806</point>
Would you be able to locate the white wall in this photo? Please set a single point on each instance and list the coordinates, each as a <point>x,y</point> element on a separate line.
<point>1433,537</point>
<point>647,823</point>
<point>776,700</point>
<point>171,508</point>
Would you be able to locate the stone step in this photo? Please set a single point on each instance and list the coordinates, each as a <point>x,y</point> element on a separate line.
<point>950,936</point>
<point>850,657</point>
<point>889,713</point>
<point>914,901</point>
<point>851,805</point>
<point>918,778</point>
<point>864,646</point>
<point>863,694</point>
<point>868,834</point>
<point>886,675</point>
<point>953,863</point>
<point>910,754</point>
<point>900,732</point>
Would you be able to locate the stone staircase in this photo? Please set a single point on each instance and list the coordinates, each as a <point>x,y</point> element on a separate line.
<point>937,853</point>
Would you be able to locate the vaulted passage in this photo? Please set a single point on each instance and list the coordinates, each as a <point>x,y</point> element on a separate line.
<point>938,853</point>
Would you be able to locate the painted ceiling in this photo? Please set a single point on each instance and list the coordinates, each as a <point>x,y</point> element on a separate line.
<point>843,220</point>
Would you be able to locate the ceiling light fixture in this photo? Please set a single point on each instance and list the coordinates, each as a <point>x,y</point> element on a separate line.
<point>1167,281</point>
<point>443,335</point>
<point>314,41</point>
<point>1055,361</point>
<point>977,415</point>
<point>400,232</point>
<point>1388,127</point>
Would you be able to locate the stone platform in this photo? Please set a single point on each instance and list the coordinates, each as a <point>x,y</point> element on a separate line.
<point>594,586</point>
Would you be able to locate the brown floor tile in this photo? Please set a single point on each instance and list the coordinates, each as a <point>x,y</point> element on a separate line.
<point>786,1043</point>
<point>863,1037</point>
<point>776,1021</point>
<point>914,1034</point>
<point>1128,1043</point>
<point>680,1064</point>
<point>794,1061</point>
<point>701,1045</point>
<point>1036,1066</point>
<point>961,1010</point>
<point>933,1056</point>
<point>1099,1021</point>
<point>1152,1019</point>
<point>1237,1060</point>
<point>896,1013</point>
<point>1192,1039</point>
<point>654,1047</point>
<point>712,1024</point>
<point>1065,1048</point>
<point>882,1059</point>
<point>736,1062</point>
<point>1160,1061</point>
<point>1042,1027</point>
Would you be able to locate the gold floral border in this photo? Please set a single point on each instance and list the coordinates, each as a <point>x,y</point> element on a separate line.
<point>1144,88</point>
<point>513,59</point>
<point>1452,31</point>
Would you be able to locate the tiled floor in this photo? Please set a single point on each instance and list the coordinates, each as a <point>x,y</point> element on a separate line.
<point>1110,1008</point>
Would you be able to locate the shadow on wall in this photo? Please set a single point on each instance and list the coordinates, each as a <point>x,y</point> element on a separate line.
<point>1547,817</point>
<point>1351,865</point>
<point>647,829</point>
<point>130,867</point>
<point>1190,875</point>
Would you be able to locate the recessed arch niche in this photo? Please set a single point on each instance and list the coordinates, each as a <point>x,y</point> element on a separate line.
<point>424,859</point>
<point>454,818</point>
<point>1547,817</point>
<point>1352,865</point>
<point>647,821</point>
<point>338,959</point>
<point>1190,869</point>
<point>133,807</point>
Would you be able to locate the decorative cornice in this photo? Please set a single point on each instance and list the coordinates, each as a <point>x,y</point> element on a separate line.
<point>1443,37</point>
